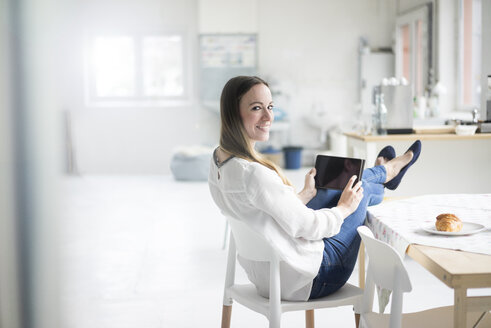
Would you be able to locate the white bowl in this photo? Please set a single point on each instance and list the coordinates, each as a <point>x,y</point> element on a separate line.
<point>465,130</point>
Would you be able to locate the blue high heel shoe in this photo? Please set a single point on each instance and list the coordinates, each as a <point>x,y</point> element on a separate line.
<point>387,152</point>
<point>416,149</point>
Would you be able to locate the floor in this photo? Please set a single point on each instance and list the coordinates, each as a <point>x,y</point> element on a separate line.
<point>147,252</point>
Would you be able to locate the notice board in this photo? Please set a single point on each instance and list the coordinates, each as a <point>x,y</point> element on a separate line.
<point>223,56</point>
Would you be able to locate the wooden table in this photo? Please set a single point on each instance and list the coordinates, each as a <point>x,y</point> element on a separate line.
<point>459,270</point>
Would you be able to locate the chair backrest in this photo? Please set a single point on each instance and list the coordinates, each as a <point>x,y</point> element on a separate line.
<point>252,246</point>
<point>384,263</point>
<point>385,269</point>
<point>249,243</point>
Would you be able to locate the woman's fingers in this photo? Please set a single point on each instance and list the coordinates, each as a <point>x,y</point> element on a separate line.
<point>308,192</point>
<point>351,196</point>
<point>358,186</point>
<point>349,185</point>
<point>311,173</point>
<point>357,192</point>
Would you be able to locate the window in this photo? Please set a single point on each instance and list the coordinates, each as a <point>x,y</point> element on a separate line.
<point>413,48</point>
<point>469,45</point>
<point>136,69</point>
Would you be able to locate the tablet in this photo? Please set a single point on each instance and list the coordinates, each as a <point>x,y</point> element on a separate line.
<point>334,172</point>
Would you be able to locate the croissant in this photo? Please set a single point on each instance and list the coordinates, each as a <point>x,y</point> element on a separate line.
<point>448,222</point>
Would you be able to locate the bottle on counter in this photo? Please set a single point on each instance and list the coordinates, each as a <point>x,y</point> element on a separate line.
<point>422,107</point>
<point>375,117</point>
<point>379,117</point>
<point>382,130</point>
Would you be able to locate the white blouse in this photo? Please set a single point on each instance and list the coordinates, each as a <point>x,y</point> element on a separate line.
<point>255,194</point>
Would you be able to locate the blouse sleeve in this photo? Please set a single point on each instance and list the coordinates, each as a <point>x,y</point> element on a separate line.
<point>268,193</point>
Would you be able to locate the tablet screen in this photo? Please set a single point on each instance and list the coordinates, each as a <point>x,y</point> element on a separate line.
<point>334,172</point>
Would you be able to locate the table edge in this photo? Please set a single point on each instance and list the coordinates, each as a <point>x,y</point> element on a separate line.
<point>454,280</point>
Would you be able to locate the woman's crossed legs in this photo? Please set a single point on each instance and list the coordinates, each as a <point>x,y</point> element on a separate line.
<point>341,250</point>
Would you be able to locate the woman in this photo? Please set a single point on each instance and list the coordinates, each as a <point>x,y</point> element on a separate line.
<point>313,231</point>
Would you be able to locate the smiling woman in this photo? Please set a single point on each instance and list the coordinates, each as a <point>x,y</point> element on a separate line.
<point>308,227</point>
<point>249,98</point>
<point>256,111</point>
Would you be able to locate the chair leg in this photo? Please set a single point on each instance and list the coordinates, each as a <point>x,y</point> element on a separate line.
<point>226,316</point>
<point>225,235</point>
<point>357,320</point>
<point>309,319</point>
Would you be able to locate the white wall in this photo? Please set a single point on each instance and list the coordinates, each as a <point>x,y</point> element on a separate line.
<point>128,140</point>
<point>228,16</point>
<point>307,49</point>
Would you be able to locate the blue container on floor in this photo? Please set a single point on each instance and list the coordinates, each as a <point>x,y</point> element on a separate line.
<point>293,157</point>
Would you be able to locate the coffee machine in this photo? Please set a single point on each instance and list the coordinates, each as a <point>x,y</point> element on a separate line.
<point>397,99</point>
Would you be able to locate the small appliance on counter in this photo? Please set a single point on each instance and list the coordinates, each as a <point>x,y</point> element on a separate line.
<point>397,99</point>
<point>484,127</point>
<point>480,126</point>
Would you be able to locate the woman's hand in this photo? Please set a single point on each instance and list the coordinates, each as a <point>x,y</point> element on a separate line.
<point>308,192</point>
<point>351,197</point>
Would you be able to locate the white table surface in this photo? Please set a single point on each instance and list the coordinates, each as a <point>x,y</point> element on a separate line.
<point>399,222</point>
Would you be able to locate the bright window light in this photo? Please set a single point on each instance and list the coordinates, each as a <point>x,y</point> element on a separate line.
<point>470,53</point>
<point>137,69</point>
<point>114,66</point>
<point>162,66</point>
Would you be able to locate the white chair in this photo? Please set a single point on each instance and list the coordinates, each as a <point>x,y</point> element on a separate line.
<point>252,246</point>
<point>226,234</point>
<point>386,269</point>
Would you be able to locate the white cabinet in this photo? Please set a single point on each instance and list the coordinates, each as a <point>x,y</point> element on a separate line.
<point>448,163</point>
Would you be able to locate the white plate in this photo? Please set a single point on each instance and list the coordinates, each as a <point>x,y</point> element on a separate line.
<point>468,228</point>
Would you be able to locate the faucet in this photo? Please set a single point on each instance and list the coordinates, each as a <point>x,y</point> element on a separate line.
<point>475,116</point>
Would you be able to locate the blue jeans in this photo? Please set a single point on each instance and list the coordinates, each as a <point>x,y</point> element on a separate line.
<point>341,250</point>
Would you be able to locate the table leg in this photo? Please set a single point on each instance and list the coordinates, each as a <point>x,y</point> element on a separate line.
<point>460,307</point>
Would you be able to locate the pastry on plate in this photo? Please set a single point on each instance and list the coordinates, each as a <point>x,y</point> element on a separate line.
<point>448,222</point>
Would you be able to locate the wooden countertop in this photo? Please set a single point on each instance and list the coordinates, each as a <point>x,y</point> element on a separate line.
<point>447,136</point>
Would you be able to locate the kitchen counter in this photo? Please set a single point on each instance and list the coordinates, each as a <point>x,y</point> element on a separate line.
<point>449,163</point>
<point>422,136</point>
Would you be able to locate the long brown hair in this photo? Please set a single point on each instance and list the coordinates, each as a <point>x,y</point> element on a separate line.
<point>233,136</point>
